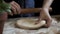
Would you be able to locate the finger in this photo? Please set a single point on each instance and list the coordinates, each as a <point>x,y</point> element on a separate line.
<point>48,23</point>
<point>13,9</point>
<point>17,4</point>
<point>39,20</point>
<point>18,7</point>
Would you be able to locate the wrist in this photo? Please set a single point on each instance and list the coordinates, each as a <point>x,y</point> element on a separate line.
<point>45,9</point>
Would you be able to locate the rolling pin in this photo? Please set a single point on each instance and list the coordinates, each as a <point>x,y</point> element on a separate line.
<point>32,10</point>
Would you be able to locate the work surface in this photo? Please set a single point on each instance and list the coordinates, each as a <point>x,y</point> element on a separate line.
<point>9,28</point>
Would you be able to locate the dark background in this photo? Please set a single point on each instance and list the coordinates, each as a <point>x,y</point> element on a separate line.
<point>55,6</point>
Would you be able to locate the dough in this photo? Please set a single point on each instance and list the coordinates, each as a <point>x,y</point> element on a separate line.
<point>29,23</point>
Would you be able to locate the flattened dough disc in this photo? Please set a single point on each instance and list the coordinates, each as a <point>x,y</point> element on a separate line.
<point>29,23</point>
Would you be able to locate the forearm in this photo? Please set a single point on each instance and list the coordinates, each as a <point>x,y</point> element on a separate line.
<point>46,4</point>
<point>45,7</point>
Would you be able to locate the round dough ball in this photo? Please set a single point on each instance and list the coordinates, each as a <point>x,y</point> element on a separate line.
<point>29,23</point>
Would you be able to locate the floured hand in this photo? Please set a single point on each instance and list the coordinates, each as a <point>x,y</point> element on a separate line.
<point>44,15</point>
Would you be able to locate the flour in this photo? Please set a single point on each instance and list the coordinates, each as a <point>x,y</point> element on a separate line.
<point>9,28</point>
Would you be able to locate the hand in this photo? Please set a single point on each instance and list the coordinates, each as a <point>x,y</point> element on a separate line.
<point>15,8</point>
<point>44,15</point>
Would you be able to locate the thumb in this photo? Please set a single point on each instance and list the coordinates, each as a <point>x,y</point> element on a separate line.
<point>48,23</point>
<point>39,20</point>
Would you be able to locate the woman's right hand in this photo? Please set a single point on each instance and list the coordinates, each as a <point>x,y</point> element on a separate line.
<point>15,7</point>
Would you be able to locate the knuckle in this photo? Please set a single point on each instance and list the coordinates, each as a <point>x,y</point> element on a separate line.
<point>14,9</point>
